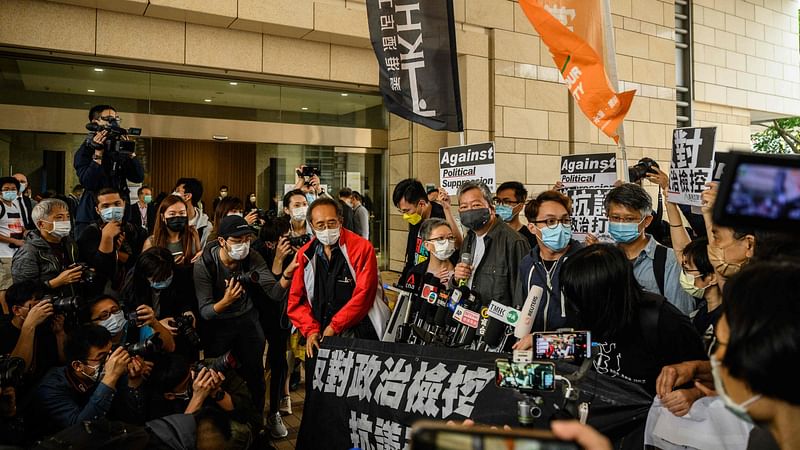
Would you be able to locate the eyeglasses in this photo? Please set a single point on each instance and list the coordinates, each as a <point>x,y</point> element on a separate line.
<point>106,314</point>
<point>499,201</point>
<point>687,270</point>
<point>443,239</point>
<point>111,118</point>
<point>620,219</point>
<point>329,225</point>
<point>552,222</point>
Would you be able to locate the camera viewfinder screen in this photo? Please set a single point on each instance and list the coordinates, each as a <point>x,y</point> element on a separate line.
<point>767,192</point>
<point>525,376</point>
<point>561,346</point>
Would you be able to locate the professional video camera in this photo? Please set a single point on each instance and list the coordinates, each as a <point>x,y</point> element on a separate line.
<point>152,346</point>
<point>641,169</point>
<point>118,147</point>
<point>299,241</point>
<point>185,328</point>
<point>11,370</point>
<point>224,362</point>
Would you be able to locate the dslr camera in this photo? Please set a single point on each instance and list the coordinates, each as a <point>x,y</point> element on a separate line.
<point>119,149</point>
<point>245,278</point>
<point>308,171</point>
<point>299,241</point>
<point>66,306</point>
<point>11,370</point>
<point>221,363</point>
<point>184,325</point>
<point>147,349</point>
<point>641,169</point>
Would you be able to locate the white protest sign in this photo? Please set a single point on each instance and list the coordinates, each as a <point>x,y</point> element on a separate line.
<point>473,162</point>
<point>587,179</point>
<point>692,160</point>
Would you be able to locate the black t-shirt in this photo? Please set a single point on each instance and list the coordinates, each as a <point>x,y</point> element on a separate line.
<point>526,233</point>
<point>705,321</point>
<point>415,251</point>
<point>633,359</point>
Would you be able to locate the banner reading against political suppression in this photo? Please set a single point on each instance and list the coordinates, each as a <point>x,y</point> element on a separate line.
<point>414,42</point>
<point>692,161</point>
<point>587,179</point>
<point>368,394</point>
<point>473,162</point>
<point>579,61</point>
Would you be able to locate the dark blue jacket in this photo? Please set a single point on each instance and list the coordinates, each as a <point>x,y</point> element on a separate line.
<point>551,313</point>
<point>95,176</point>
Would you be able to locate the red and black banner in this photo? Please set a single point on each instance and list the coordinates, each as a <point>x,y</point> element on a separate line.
<point>415,44</point>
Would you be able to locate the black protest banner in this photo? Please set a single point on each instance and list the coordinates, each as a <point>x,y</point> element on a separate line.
<point>415,44</point>
<point>692,158</point>
<point>587,179</point>
<point>368,394</point>
<point>460,164</point>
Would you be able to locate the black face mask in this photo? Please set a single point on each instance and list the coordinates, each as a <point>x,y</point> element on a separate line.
<point>177,224</point>
<point>475,219</point>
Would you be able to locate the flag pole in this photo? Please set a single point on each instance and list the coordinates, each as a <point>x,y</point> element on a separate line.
<point>610,51</point>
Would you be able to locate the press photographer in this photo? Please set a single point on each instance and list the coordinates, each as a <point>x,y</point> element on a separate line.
<point>106,159</point>
<point>137,325</point>
<point>12,424</point>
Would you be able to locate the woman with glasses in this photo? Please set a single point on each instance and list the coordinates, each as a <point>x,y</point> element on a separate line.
<point>439,240</point>
<point>107,312</point>
<point>549,221</point>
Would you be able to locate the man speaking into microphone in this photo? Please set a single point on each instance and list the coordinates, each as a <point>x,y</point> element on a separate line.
<point>494,249</point>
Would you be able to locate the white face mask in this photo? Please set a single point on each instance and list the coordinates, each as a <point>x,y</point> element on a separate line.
<point>95,376</point>
<point>115,323</point>
<point>738,409</point>
<point>22,187</point>
<point>236,214</point>
<point>299,213</point>
<point>61,228</point>
<point>329,236</point>
<point>238,252</point>
<point>178,194</point>
<point>442,250</point>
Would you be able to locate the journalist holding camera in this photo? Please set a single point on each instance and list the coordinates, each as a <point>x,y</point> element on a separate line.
<point>50,256</point>
<point>229,279</point>
<point>106,159</point>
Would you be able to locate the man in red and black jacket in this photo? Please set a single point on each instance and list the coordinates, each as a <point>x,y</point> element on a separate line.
<point>338,291</point>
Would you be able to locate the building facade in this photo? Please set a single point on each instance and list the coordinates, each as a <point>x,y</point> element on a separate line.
<point>724,63</point>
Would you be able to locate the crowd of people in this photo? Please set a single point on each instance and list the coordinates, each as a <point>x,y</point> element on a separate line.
<point>156,315</point>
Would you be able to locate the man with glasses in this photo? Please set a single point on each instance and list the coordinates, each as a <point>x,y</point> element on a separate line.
<point>509,203</point>
<point>550,223</point>
<point>99,381</point>
<point>628,208</point>
<point>338,291</point>
<point>229,280</point>
<point>97,169</point>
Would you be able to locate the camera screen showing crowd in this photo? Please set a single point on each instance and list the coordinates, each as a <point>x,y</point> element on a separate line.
<point>152,323</point>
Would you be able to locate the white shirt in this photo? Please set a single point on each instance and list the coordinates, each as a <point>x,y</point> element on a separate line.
<point>479,250</point>
<point>10,223</point>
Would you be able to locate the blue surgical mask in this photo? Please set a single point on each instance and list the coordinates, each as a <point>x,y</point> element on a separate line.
<point>622,232</point>
<point>505,212</point>
<point>115,323</point>
<point>310,198</point>
<point>9,196</point>
<point>112,214</point>
<point>556,239</point>
<point>161,284</point>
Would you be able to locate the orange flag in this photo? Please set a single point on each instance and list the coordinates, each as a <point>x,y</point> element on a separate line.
<point>582,68</point>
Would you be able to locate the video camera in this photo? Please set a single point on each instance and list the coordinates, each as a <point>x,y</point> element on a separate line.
<point>152,346</point>
<point>12,369</point>
<point>641,169</point>
<point>118,148</point>
<point>224,362</point>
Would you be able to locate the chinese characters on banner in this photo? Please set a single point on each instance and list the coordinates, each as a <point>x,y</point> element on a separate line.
<point>414,42</point>
<point>577,60</point>
<point>474,162</point>
<point>587,179</point>
<point>692,160</point>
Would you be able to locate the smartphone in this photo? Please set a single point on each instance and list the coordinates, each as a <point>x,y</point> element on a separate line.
<point>531,376</point>
<point>430,435</point>
<point>761,191</point>
<point>562,345</point>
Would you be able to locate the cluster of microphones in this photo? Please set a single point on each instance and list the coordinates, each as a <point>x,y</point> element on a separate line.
<point>431,313</point>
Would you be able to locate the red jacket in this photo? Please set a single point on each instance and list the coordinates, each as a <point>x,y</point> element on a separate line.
<point>367,296</point>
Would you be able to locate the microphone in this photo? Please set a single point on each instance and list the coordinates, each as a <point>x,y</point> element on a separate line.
<point>466,258</point>
<point>430,297</point>
<point>494,332</point>
<point>528,313</point>
<point>469,319</point>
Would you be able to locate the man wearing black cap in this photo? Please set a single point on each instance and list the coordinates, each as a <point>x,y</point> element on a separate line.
<point>229,279</point>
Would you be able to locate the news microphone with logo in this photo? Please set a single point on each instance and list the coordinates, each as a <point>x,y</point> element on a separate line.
<point>528,313</point>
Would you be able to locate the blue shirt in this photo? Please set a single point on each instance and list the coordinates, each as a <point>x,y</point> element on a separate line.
<point>643,271</point>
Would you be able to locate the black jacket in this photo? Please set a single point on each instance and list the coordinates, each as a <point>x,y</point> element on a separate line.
<point>135,217</point>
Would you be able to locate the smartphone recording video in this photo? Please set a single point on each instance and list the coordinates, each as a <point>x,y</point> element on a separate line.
<point>760,191</point>
<point>438,436</point>
<point>562,346</point>
<point>531,376</point>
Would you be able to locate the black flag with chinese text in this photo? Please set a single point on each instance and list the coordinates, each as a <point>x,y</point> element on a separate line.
<point>415,44</point>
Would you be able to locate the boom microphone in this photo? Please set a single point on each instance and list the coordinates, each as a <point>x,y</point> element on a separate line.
<point>523,327</point>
